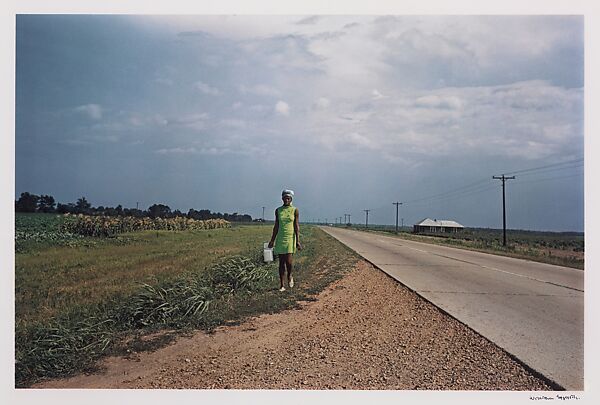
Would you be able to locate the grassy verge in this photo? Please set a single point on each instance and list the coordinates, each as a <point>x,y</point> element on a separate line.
<point>206,285</point>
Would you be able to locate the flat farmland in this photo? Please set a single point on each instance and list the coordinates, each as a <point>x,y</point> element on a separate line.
<point>80,298</point>
<point>199,309</point>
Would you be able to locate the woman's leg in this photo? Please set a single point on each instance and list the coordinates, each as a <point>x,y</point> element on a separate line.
<point>288,264</point>
<point>282,264</point>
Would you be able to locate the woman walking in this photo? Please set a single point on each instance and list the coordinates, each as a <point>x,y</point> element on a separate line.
<point>286,237</point>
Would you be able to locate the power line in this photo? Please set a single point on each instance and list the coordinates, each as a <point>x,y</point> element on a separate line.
<point>461,195</point>
<point>551,170</point>
<point>454,191</point>
<point>480,186</point>
<point>556,165</point>
<point>549,178</point>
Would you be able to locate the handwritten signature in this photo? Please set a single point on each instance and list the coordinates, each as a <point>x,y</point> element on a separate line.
<point>558,397</point>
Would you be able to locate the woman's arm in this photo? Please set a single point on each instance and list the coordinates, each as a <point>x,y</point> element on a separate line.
<point>275,230</point>
<point>297,228</point>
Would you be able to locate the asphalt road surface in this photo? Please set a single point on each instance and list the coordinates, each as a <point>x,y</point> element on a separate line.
<point>534,311</point>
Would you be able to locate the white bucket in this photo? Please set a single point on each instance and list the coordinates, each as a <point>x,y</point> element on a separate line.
<point>267,253</point>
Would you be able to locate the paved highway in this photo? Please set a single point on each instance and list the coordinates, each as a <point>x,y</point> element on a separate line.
<point>532,310</point>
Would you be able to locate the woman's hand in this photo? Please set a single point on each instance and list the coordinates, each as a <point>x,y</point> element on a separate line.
<point>298,246</point>
<point>270,245</point>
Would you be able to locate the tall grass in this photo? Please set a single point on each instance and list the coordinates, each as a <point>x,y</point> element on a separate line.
<point>190,280</point>
<point>51,279</point>
<point>74,340</point>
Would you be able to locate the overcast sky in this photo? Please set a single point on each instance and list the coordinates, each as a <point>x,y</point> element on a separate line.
<point>352,113</point>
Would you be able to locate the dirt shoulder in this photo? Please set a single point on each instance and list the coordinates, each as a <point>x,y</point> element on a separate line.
<point>364,331</point>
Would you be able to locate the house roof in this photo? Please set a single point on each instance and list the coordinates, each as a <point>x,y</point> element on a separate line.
<point>442,222</point>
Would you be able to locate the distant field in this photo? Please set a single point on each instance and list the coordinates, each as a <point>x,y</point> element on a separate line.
<point>560,248</point>
<point>78,298</point>
<point>55,271</point>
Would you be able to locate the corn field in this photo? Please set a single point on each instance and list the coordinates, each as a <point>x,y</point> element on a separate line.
<point>109,226</point>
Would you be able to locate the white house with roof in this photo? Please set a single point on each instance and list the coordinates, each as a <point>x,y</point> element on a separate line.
<point>435,225</point>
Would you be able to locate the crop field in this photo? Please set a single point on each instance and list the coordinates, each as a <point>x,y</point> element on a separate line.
<point>78,297</point>
<point>560,248</point>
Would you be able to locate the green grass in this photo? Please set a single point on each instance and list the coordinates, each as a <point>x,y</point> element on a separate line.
<point>52,279</point>
<point>75,304</point>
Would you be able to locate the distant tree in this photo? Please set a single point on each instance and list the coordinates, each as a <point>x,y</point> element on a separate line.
<point>27,202</point>
<point>46,203</point>
<point>83,206</point>
<point>159,211</point>
<point>135,212</point>
<point>66,208</point>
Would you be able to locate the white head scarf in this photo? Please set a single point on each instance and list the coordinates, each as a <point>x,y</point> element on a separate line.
<point>287,192</point>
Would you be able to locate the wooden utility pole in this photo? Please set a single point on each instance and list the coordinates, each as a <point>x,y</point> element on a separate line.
<point>397,204</point>
<point>503,178</point>
<point>367,221</point>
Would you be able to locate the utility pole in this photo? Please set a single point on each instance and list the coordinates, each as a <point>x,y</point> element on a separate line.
<point>367,221</point>
<point>397,204</point>
<point>345,221</point>
<point>348,218</point>
<point>137,205</point>
<point>263,217</point>
<point>503,178</point>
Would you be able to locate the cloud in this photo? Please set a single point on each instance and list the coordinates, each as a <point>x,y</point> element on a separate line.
<point>207,89</point>
<point>93,111</point>
<point>177,151</point>
<point>322,103</point>
<point>309,20</point>
<point>529,120</point>
<point>197,121</point>
<point>234,123</point>
<point>282,108</point>
<point>91,140</point>
<point>435,101</point>
<point>289,54</point>
<point>376,95</point>
<point>164,80</point>
<point>260,90</point>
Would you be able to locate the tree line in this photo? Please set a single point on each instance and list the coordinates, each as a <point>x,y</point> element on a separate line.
<point>45,203</point>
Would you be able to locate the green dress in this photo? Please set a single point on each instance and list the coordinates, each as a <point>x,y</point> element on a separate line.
<point>285,241</point>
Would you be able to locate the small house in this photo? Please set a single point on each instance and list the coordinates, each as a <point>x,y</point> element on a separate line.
<point>434,225</point>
